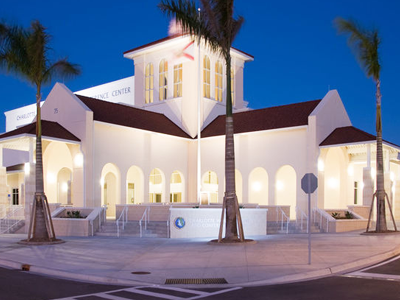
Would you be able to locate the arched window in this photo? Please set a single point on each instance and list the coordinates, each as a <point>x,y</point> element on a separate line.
<point>176,187</point>
<point>218,81</point>
<point>149,83</point>
<point>206,76</point>
<point>163,79</point>
<point>156,186</point>
<point>178,81</point>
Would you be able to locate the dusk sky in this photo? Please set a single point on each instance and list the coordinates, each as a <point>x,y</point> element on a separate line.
<point>298,55</point>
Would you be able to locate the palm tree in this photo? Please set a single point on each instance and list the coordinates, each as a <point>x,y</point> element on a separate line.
<point>217,27</point>
<point>365,44</point>
<point>25,53</point>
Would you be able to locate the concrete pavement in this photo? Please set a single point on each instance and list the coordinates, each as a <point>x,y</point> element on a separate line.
<point>273,259</point>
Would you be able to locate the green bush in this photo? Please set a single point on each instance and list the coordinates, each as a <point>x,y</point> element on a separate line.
<point>76,214</point>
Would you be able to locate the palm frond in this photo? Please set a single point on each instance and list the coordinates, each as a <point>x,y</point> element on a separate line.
<point>364,44</point>
<point>62,69</point>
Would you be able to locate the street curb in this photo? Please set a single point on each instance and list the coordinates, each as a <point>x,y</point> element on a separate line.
<point>325,272</point>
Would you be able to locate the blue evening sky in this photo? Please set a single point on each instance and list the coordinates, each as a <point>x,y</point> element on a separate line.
<point>298,54</point>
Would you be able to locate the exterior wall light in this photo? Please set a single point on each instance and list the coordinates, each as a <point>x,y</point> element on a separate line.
<point>256,186</point>
<point>321,165</point>
<point>392,176</point>
<point>333,183</point>
<point>373,173</point>
<point>78,160</point>
<point>64,187</point>
<point>51,178</point>
<point>27,168</point>
<point>350,170</point>
<point>102,182</point>
<point>279,185</point>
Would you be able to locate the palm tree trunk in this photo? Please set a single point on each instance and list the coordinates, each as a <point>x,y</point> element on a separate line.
<point>230,199</point>
<point>380,180</point>
<point>41,228</point>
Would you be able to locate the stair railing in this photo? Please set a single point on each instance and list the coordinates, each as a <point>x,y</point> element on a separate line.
<point>283,218</point>
<point>15,215</point>
<point>145,218</point>
<point>303,217</point>
<point>323,217</point>
<point>123,218</point>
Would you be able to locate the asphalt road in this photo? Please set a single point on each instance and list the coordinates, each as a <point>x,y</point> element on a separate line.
<point>378,282</point>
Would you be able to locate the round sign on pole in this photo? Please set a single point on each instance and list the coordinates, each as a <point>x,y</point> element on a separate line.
<point>309,183</point>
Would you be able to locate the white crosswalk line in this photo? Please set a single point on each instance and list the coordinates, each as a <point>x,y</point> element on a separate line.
<point>159,294</point>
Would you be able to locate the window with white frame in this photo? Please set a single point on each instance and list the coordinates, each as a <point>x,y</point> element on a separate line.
<point>163,79</point>
<point>178,81</point>
<point>206,76</point>
<point>218,81</point>
<point>149,83</point>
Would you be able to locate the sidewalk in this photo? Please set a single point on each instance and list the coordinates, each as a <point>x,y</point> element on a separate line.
<point>273,259</point>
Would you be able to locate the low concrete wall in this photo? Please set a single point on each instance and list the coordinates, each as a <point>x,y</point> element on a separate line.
<point>343,225</point>
<point>77,227</point>
<point>363,211</point>
<point>198,222</point>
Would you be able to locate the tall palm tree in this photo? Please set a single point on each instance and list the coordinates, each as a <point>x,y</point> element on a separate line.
<point>365,45</point>
<point>25,53</point>
<point>217,27</point>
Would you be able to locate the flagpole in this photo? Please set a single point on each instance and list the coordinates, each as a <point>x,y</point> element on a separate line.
<point>198,121</point>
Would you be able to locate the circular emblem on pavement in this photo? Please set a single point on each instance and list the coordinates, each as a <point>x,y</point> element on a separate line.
<point>179,222</point>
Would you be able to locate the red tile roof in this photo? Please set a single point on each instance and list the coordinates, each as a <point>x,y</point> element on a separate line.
<point>49,129</point>
<point>128,116</point>
<point>350,135</point>
<point>347,135</point>
<point>284,116</point>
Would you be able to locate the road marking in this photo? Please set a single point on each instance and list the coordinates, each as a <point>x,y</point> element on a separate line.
<point>139,290</point>
<point>367,275</point>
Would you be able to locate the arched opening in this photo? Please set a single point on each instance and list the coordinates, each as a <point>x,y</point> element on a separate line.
<point>210,187</point>
<point>64,179</point>
<point>258,186</point>
<point>110,188</point>
<point>285,188</point>
<point>134,185</point>
<point>156,186</point>
<point>56,158</point>
<point>176,187</point>
<point>334,163</point>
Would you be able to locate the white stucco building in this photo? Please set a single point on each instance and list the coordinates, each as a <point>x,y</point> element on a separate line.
<point>135,140</point>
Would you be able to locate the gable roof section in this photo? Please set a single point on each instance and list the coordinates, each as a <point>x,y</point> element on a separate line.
<point>277,117</point>
<point>49,129</point>
<point>168,38</point>
<point>350,135</point>
<point>128,116</point>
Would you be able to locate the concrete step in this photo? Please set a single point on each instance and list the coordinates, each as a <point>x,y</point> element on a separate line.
<point>154,229</point>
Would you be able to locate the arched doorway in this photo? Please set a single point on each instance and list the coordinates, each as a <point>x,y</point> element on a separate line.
<point>176,187</point>
<point>285,188</point>
<point>210,187</point>
<point>110,188</point>
<point>64,179</point>
<point>258,186</point>
<point>334,179</point>
<point>156,186</point>
<point>134,185</point>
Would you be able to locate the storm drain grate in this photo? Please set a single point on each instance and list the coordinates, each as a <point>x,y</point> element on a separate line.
<point>196,281</point>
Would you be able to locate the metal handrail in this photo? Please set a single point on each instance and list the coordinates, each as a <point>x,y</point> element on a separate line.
<point>283,216</point>
<point>12,218</point>
<point>303,216</point>
<point>323,215</point>
<point>146,218</point>
<point>123,217</point>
